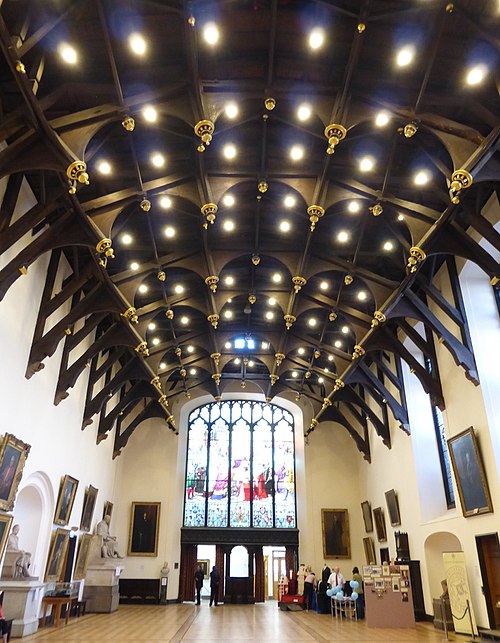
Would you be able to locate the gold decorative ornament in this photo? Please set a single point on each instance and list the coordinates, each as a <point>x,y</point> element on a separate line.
<point>289,321</point>
<point>361,27</point>
<point>274,378</point>
<point>217,398</point>
<point>410,129</point>
<point>268,400</point>
<point>308,375</point>
<point>214,320</point>
<point>297,397</point>
<point>156,382</point>
<point>243,384</point>
<point>376,209</point>
<point>332,316</point>
<point>417,255</point>
<point>359,351</point>
<point>23,270</point>
<point>252,299</point>
<point>128,124</point>
<point>245,360</point>
<point>145,205</point>
<point>169,314</point>
<point>142,348</point>
<point>339,383</point>
<point>449,7</point>
<point>178,351</point>
<point>348,280</point>
<point>314,424</point>
<point>460,180</point>
<point>204,129</point>
<point>494,281</point>
<point>187,394</point>
<point>298,282</point>
<point>104,246</point>
<point>161,275</point>
<point>216,358</point>
<point>67,331</point>
<point>378,318</point>
<point>326,402</point>
<point>255,260</point>
<point>20,68</point>
<point>263,186</point>
<point>316,354</point>
<point>209,210</point>
<point>131,315</point>
<point>270,104</point>
<point>191,21</point>
<point>315,212</point>
<point>279,358</point>
<point>216,378</point>
<point>77,172</point>
<point>183,372</point>
<point>212,281</point>
<point>334,133</point>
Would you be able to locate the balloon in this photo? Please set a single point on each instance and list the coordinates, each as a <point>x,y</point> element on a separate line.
<point>354,596</point>
<point>329,592</point>
<point>338,588</point>
<point>339,595</point>
<point>354,584</point>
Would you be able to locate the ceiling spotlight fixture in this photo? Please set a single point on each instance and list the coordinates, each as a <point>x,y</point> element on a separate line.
<point>150,114</point>
<point>362,295</point>
<point>269,315</point>
<point>192,371</point>
<point>178,289</point>
<point>421,178</point>
<point>228,225</point>
<point>330,358</point>
<point>388,246</point>
<point>163,366</point>
<point>104,167</point>
<point>345,329</point>
<point>382,119</point>
<point>297,153</point>
<point>229,151</point>
<point>211,33</point>
<point>295,374</point>
<point>68,53</point>
<point>184,320</point>
<point>134,266</point>
<point>169,232</point>
<point>304,112</point>
<point>126,239</point>
<point>155,341</point>
<point>405,56</point>
<point>354,206</point>
<point>312,322</point>
<point>158,160</point>
<point>366,164</point>
<point>231,110</point>
<point>166,202</point>
<point>338,343</point>
<point>229,280</point>
<point>324,285</point>
<point>285,226</point>
<point>301,350</point>
<point>190,348</point>
<point>137,44</point>
<point>320,380</point>
<point>237,361</point>
<point>265,346</point>
<point>227,345</point>
<point>316,38</point>
<point>251,363</point>
<point>228,314</point>
<point>401,217</point>
<point>289,201</point>
<point>143,289</point>
<point>476,75</point>
<point>228,200</point>
<point>151,326</point>
<point>271,301</point>
<point>277,278</point>
<point>343,236</point>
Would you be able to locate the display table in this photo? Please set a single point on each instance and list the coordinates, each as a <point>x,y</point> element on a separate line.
<point>56,602</point>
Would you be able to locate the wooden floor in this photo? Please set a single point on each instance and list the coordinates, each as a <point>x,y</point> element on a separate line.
<point>225,624</point>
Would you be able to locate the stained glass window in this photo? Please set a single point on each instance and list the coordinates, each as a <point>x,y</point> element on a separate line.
<point>240,468</point>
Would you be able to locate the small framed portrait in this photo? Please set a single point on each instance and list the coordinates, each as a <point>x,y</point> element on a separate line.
<point>5,524</point>
<point>367,515</point>
<point>393,507</point>
<point>57,554</point>
<point>205,566</point>
<point>470,475</point>
<point>144,524</point>
<point>82,557</point>
<point>65,500</point>
<point>378,515</point>
<point>13,454</point>
<point>88,508</point>
<point>107,509</point>
<point>369,548</point>
<point>336,540</point>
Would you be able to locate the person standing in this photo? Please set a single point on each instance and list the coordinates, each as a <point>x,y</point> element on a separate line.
<point>309,587</point>
<point>198,580</point>
<point>214,586</point>
<point>336,579</point>
<point>360,601</point>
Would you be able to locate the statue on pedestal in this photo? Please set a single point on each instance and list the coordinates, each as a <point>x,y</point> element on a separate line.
<point>16,559</point>
<point>108,542</point>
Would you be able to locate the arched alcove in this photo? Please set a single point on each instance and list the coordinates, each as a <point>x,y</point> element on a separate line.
<point>238,564</point>
<point>434,547</point>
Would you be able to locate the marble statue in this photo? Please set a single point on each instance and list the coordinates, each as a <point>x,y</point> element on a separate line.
<point>22,558</point>
<point>165,570</point>
<point>108,542</point>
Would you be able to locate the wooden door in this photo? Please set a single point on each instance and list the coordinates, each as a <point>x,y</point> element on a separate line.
<point>488,548</point>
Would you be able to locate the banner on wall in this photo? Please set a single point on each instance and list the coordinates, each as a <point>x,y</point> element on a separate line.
<point>458,590</point>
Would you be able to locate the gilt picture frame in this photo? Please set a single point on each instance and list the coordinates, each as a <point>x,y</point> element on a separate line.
<point>57,554</point>
<point>88,508</point>
<point>367,516</point>
<point>65,500</point>
<point>205,566</point>
<point>393,508</point>
<point>5,525</point>
<point>144,526</point>
<point>82,557</point>
<point>380,529</point>
<point>107,510</point>
<point>369,548</point>
<point>335,529</point>
<point>13,454</point>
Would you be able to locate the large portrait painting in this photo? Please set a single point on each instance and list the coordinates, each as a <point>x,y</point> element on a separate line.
<point>336,541</point>
<point>144,524</point>
<point>88,508</point>
<point>393,507</point>
<point>367,515</point>
<point>369,548</point>
<point>13,454</point>
<point>65,500</point>
<point>378,515</point>
<point>82,558</point>
<point>5,523</point>
<point>57,555</point>
<point>469,473</point>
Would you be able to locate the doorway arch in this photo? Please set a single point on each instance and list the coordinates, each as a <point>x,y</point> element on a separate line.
<point>435,545</point>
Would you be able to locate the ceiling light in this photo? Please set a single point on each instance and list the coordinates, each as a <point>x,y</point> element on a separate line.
<point>312,322</point>
<point>285,226</point>
<point>126,240</point>
<point>301,351</point>
<point>150,114</point>
<point>326,370</point>
<point>251,363</point>
<point>388,246</point>
<point>343,236</point>
<point>401,217</point>
<point>304,112</point>
<point>190,348</point>
<point>184,320</point>
<point>169,232</point>
<point>366,164</point>
<point>230,300</point>
<point>211,33</point>
<point>227,345</point>
<point>354,206</point>
<point>476,75</point>
<point>421,178</point>
<point>143,288</point>
<point>104,167</point>
<point>163,366</point>
<point>231,110</point>
<point>228,314</point>
<point>324,285</point>
<point>155,341</point>
<point>295,374</point>
<point>345,329</point>
<point>289,201</point>
<point>269,315</point>
<point>271,301</point>
<point>151,326</point>
<point>362,295</point>
<point>338,343</point>
<point>320,380</point>
<point>192,371</point>
<point>405,56</point>
<point>316,38</point>
<point>178,289</point>
<point>137,44</point>
<point>330,358</point>
<point>134,265</point>
<point>237,361</point>
<point>296,152</point>
<point>158,160</point>
<point>277,278</point>
<point>166,202</point>
<point>228,225</point>
<point>228,200</point>
<point>382,119</point>
<point>229,280</point>
<point>265,346</point>
<point>229,151</point>
<point>68,54</point>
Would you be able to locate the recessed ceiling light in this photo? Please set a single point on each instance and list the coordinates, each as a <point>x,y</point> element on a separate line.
<point>421,178</point>
<point>265,346</point>
<point>126,239</point>
<point>388,246</point>
<point>228,225</point>
<point>382,119</point>
<point>151,326</point>
<point>158,160</point>
<point>289,201</point>
<point>155,341</point>
<point>295,374</point>
<point>178,289</point>
<point>229,151</point>
<point>230,300</point>
<point>301,351</point>
<point>338,343</point>
<point>354,206</point>
<point>192,371</point>
<point>231,110</point>
<point>366,164</point>
<point>251,363</point>
<point>401,217</point>
<point>190,348</point>
<point>320,380</point>
<point>271,301</point>
<point>150,114</point>
<point>269,315</point>
<point>405,56</point>
<point>211,33</point>
<point>237,361</point>
<point>228,314</point>
<point>137,44</point>
<point>304,112</point>
<point>285,226</point>
<point>229,280</point>
<point>163,366</point>
<point>184,320</point>
<point>327,370</point>
<point>362,295</point>
<point>68,53</point>
<point>227,345</point>
<point>316,38</point>
<point>166,202</point>
<point>345,329</point>
<point>330,358</point>
<point>104,167</point>
<point>228,200</point>
<point>143,288</point>
<point>343,236</point>
<point>169,232</point>
<point>476,75</point>
<point>312,322</point>
<point>324,285</point>
<point>134,265</point>
<point>296,153</point>
<point>277,278</point>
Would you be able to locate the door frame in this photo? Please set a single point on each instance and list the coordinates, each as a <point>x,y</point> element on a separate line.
<point>490,608</point>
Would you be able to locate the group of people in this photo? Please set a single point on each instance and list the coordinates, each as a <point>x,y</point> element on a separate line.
<point>199,576</point>
<point>314,594</point>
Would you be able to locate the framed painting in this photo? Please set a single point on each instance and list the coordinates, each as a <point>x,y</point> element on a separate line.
<point>108,509</point>
<point>82,557</point>
<point>57,555</point>
<point>5,523</point>
<point>384,555</point>
<point>378,515</point>
<point>469,473</point>
<point>336,540</point>
<point>144,524</point>
<point>65,500</point>
<point>393,507</point>
<point>88,508</point>
<point>205,566</point>
<point>13,454</point>
<point>367,515</point>
<point>369,548</point>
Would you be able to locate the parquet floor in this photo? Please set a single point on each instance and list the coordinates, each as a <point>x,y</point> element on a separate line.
<point>226,624</point>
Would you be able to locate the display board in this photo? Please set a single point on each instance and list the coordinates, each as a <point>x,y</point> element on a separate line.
<point>388,596</point>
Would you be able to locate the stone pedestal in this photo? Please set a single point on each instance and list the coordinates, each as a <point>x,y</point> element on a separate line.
<point>21,602</point>
<point>101,585</point>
